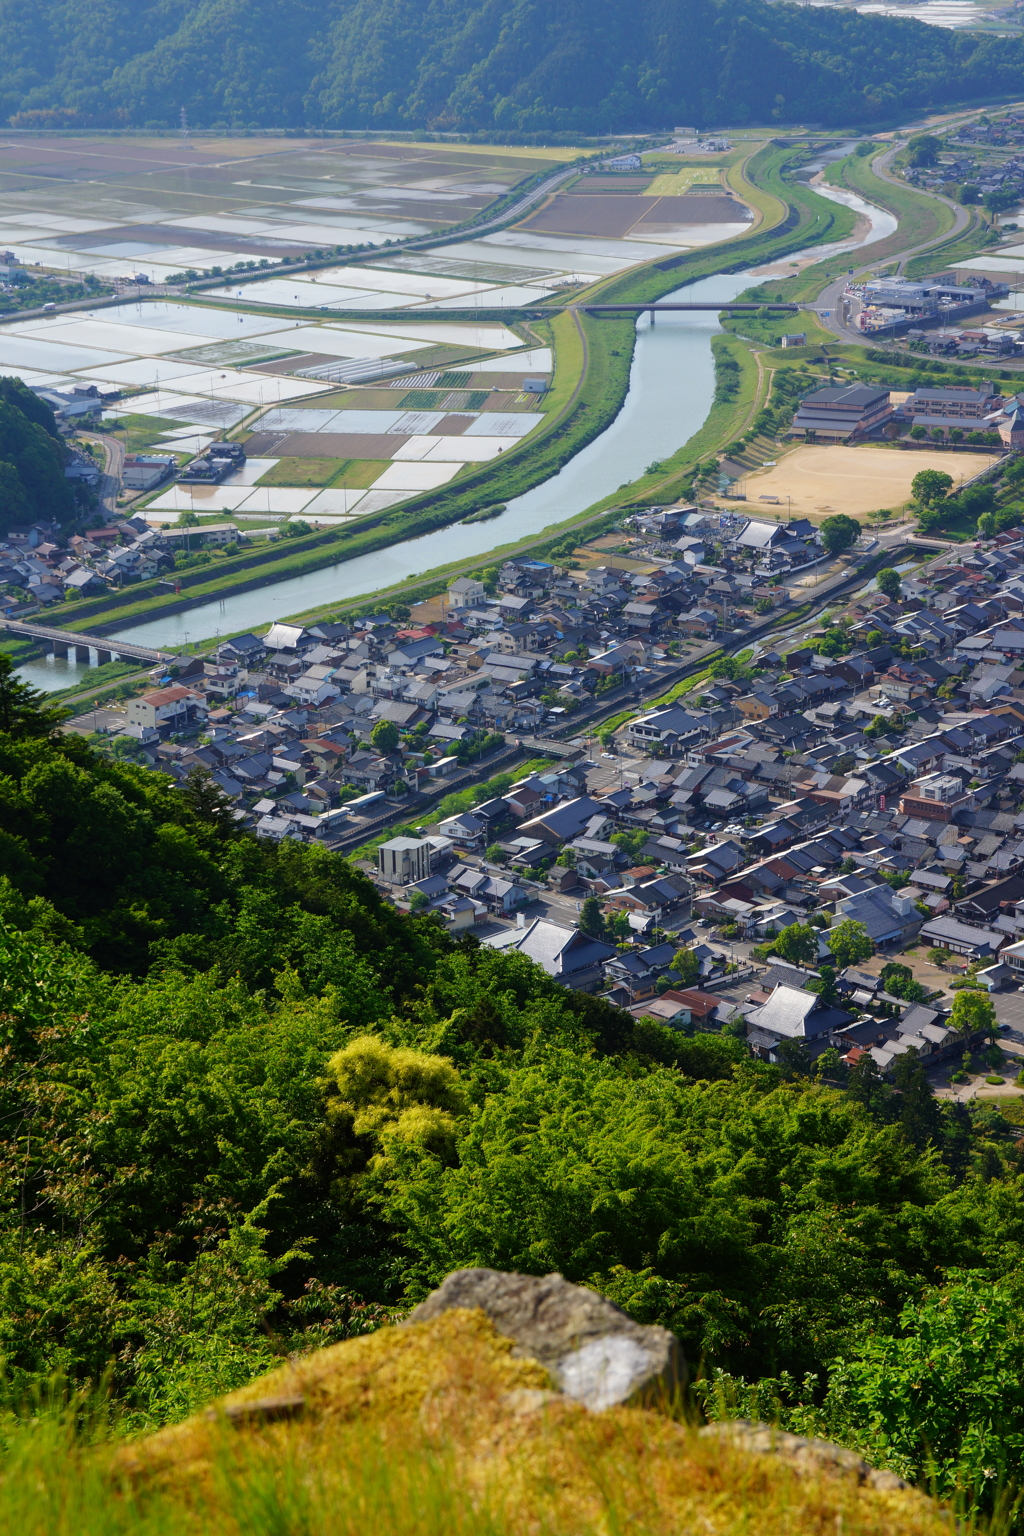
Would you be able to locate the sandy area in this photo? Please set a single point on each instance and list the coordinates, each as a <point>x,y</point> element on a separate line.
<point>815,480</point>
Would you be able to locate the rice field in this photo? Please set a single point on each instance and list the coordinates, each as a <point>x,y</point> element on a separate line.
<point>391,407</point>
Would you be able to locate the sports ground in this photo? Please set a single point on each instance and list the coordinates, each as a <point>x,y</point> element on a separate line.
<point>814,480</point>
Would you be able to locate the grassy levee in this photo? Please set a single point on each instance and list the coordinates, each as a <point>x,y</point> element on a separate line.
<point>793,217</point>
<point>590,385</point>
<point>921,216</point>
<point>972,242</point>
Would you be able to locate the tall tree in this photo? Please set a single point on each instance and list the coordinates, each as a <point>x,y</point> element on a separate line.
<point>850,942</point>
<point>24,710</point>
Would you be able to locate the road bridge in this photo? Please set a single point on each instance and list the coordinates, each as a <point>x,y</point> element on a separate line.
<point>777,309</point>
<point>65,641</point>
<point>655,308</point>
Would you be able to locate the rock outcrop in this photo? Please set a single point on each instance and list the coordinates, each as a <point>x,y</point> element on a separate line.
<point>596,1354</point>
<point>476,1414</point>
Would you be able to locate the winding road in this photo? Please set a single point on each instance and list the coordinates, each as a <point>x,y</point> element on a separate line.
<point>828,305</point>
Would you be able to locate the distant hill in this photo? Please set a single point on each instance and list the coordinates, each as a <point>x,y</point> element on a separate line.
<point>488,65</point>
<point>32,483</point>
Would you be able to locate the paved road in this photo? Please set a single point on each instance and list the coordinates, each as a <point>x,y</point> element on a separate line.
<point>525,203</point>
<point>113,469</point>
<point>830,298</point>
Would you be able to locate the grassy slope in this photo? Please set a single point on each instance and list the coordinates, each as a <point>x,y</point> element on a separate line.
<point>412,1431</point>
<point>921,216</point>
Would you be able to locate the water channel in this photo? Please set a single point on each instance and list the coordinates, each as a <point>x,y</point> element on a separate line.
<point>670,391</point>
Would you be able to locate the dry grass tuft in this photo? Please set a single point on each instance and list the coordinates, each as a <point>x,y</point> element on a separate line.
<point>437,1430</point>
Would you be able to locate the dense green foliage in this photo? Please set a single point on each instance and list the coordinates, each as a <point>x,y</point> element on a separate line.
<point>32,483</point>
<point>489,65</point>
<point>247,1107</point>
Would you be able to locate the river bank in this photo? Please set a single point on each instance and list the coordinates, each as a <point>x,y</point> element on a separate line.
<point>667,402</point>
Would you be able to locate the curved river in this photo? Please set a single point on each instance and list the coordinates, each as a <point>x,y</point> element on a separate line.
<point>670,390</point>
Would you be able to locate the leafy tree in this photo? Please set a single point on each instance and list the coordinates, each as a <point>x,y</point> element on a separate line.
<point>618,925</point>
<point>687,967</point>
<point>25,711</point>
<point>496,854</point>
<point>888,581</point>
<point>918,1112</point>
<point>207,801</point>
<point>974,1013</point>
<point>798,944</point>
<point>865,1081</point>
<point>923,150</point>
<point>592,919</point>
<point>939,956</point>
<point>794,1059</point>
<point>942,1400</point>
<point>850,943</point>
<point>830,1065</point>
<point>899,980</point>
<point>631,843</point>
<point>839,532</point>
<point>418,900</point>
<point>385,736</point>
<point>930,485</point>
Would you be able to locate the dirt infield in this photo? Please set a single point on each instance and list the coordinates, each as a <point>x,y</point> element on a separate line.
<point>816,480</point>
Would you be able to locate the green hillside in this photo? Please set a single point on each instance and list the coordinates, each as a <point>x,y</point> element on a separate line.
<point>491,65</point>
<point>32,483</point>
<point>246,1109</point>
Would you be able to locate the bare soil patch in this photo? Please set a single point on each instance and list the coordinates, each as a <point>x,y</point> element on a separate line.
<point>816,479</point>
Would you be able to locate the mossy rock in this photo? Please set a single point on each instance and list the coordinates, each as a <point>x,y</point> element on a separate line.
<point>432,1428</point>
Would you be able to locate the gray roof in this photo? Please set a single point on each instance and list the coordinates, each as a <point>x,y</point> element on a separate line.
<point>794,1014</point>
<point>761,535</point>
<point>559,951</point>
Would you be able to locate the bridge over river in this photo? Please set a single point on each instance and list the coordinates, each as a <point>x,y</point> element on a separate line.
<point>65,642</point>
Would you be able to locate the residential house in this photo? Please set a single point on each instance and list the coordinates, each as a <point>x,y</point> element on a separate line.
<point>566,954</point>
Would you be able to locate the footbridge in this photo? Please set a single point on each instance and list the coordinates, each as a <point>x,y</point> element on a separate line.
<point>64,642</point>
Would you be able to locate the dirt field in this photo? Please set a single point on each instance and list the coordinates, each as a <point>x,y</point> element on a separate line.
<point>613,216</point>
<point>816,480</point>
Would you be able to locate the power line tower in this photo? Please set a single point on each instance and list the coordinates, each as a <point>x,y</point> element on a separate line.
<point>186,142</point>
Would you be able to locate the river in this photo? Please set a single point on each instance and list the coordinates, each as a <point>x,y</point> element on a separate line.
<point>671,385</point>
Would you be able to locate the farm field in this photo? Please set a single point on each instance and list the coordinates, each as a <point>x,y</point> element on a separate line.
<point>117,206</point>
<point>639,216</point>
<point>816,480</point>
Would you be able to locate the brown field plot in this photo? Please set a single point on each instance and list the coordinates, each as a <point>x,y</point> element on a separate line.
<point>613,216</point>
<point>820,479</point>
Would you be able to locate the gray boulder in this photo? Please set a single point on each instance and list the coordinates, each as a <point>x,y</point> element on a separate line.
<point>595,1353</point>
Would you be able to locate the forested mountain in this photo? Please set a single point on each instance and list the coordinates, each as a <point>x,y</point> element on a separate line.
<point>247,1108</point>
<point>482,64</point>
<point>32,483</point>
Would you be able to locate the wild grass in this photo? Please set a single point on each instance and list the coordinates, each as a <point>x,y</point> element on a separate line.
<point>921,216</point>
<point>434,1430</point>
